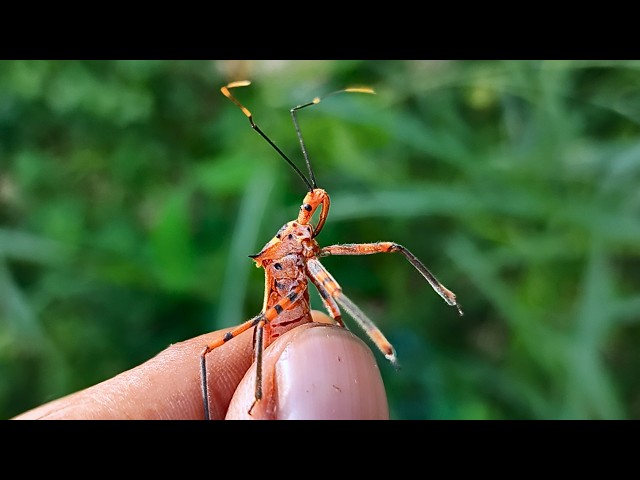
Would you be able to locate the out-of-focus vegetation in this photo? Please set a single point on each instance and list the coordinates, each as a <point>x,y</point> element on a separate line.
<point>132,192</point>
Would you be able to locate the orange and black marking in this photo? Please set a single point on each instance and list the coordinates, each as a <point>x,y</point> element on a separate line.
<point>291,258</point>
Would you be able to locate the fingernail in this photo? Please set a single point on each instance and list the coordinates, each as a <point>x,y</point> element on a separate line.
<point>328,373</point>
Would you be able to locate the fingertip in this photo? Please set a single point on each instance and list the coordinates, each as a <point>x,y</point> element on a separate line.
<point>315,372</point>
<point>330,374</point>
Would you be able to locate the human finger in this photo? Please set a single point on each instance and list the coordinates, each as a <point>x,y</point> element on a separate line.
<point>315,371</point>
<point>168,386</point>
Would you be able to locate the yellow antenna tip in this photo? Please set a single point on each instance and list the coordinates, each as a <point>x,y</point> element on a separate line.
<point>239,83</point>
<point>360,90</point>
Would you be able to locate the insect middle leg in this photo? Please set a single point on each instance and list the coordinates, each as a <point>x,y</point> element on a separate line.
<point>389,247</point>
<point>259,321</point>
<point>331,292</point>
<point>328,301</point>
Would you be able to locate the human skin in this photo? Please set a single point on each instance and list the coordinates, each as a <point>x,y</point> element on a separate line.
<point>315,371</point>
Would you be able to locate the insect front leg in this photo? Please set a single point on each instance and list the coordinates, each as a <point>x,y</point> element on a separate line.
<point>259,321</point>
<point>389,247</point>
<point>255,321</point>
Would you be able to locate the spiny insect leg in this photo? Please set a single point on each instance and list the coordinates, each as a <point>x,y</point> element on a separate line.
<point>212,346</point>
<point>327,285</point>
<point>388,247</point>
<point>328,301</point>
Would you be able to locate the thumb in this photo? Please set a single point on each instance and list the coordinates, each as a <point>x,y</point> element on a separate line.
<point>315,371</point>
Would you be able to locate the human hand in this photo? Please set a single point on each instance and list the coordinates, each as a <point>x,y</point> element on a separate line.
<point>315,371</point>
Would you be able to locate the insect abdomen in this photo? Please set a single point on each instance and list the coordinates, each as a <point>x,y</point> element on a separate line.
<point>287,292</point>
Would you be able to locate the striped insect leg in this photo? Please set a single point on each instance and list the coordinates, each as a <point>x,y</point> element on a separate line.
<point>259,322</point>
<point>388,247</point>
<point>321,277</point>
<point>329,303</point>
<point>212,346</point>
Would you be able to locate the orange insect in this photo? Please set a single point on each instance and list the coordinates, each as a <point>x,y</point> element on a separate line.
<point>292,256</point>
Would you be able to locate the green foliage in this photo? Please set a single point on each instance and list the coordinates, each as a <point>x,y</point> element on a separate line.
<point>131,193</point>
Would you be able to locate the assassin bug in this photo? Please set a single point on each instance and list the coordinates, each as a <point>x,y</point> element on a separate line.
<point>292,256</point>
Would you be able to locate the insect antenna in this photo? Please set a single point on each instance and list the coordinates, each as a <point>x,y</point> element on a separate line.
<point>243,83</point>
<point>315,101</point>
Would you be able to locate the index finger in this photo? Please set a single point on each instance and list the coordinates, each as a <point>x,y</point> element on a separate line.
<point>168,386</point>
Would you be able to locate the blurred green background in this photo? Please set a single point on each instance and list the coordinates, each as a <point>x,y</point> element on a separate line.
<point>132,192</point>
